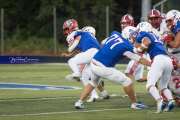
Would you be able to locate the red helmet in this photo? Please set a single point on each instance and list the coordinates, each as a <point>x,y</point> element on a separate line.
<point>155,18</point>
<point>126,20</point>
<point>69,26</point>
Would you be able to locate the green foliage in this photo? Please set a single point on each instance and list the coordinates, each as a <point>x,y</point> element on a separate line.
<point>33,19</point>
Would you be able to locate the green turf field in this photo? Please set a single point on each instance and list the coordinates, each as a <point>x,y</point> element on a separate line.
<point>25,104</point>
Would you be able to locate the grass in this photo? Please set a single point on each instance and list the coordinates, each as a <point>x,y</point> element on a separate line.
<point>58,104</point>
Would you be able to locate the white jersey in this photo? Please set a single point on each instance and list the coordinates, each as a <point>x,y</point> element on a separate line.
<point>163,27</point>
<point>174,85</point>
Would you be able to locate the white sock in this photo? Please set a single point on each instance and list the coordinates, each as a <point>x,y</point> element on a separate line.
<point>80,101</point>
<point>94,94</point>
<point>167,93</point>
<point>104,93</point>
<point>155,93</point>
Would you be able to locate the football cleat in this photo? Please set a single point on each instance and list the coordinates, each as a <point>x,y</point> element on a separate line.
<point>93,98</point>
<point>104,95</point>
<point>170,106</point>
<point>79,105</point>
<point>71,77</point>
<point>138,106</point>
<point>160,106</point>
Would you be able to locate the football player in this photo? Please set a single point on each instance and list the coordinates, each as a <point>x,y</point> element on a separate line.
<point>161,67</point>
<point>134,70</point>
<point>88,45</point>
<point>102,65</point>
<point>126,20</point>
<point>157,20</point>
<point>173,42</point>
<point>173,24</point>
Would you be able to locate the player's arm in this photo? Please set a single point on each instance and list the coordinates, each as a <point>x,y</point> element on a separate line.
<point>104,41</point>
<point>137,57</point>
<point>176,42</point>
<point>140,48</point>
<point>74,44</point>
<point>70,54</point>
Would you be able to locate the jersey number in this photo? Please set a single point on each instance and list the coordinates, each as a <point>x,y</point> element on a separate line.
<point>116,39</point>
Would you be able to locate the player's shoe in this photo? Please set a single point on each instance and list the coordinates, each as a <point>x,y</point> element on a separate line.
<point>104,95</point>
<point>160,106</point>
<point>138,106</point>
<point>92,99</point>
<point>170,106</point>
<point>79,105</point>
<point>72,77</point>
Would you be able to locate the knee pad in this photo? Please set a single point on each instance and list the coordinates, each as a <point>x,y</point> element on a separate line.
<point>148,86</point>
<point>127,82</point>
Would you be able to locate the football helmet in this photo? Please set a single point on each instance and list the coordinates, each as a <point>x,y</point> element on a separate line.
<point>171,18</point>
<point>90,29</point>
<point>144,26</point>
<point>70,26</point>
<point>155,18</point>
<point>126,20</point>
<point>129,32</point>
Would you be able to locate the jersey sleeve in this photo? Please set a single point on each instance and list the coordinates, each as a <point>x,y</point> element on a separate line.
<point>139,37</point>
<point>71,37</point>
<point>142,35</point>
<point>177,27</point>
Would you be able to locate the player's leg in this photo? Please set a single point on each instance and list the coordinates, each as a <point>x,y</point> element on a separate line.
<point>81,58</point>
<point>163,83</point>
<point>130,69</point>
<point>118,77</point>
<point>86,92</point>
<point>103,93</point>
<point>86,77</point>
<point>139,74</point>
<point>153,76</point>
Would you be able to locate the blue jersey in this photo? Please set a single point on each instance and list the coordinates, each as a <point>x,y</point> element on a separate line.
<point>87,41</point>
<point>113,50</point>
<point>156,46</point>
<point>176,28</point>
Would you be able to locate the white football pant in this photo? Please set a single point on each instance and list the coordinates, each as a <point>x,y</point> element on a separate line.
<point>81,58</point>
<point>109,73</point>
<point>136,69</point>
<point>161,70</point>
<point>87,77</point>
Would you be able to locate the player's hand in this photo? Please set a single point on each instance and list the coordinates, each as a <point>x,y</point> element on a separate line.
<point>167,37</point>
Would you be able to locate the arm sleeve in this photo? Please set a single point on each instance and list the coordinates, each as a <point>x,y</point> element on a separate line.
<point>74,44</point>
<point>132,55</point>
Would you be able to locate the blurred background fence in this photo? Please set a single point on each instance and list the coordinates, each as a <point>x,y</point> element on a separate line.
<point>34,27</point>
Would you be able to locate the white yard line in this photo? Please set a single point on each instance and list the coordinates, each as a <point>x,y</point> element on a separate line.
<point>64,112</point>
<point>53,98</point>
<point>42,98</point>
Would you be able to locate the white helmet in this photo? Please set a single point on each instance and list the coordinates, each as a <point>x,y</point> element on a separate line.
<point>89,29</point>
<point>144,26</point>
<point>173,14</point>
<point>128,32</point>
